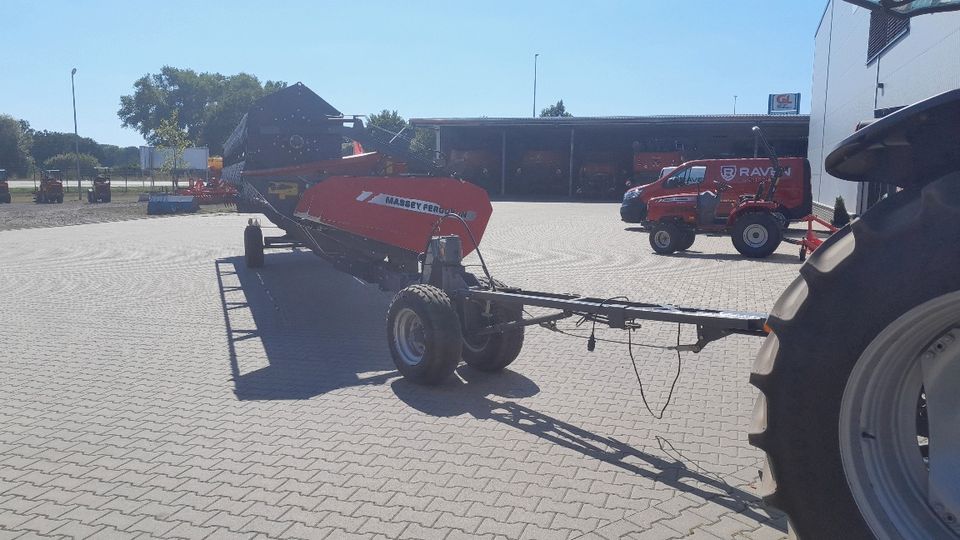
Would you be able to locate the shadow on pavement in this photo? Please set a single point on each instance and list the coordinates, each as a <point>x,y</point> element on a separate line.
<point>776,258</point>
<point>318,328</point>
<point>470,396</point>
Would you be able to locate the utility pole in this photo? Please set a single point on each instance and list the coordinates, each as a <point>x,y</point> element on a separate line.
<point>734,104</point>
<point>76,135</point>
<point>535,84</point>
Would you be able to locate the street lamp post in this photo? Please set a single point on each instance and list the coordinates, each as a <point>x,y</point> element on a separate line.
<point>535,84</point>
<point>76,135</point>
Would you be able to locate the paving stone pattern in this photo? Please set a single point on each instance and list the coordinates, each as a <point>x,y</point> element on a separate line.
<point>152,386</point>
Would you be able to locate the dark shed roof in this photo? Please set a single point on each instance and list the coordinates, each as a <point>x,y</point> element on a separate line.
<point>603,121</point>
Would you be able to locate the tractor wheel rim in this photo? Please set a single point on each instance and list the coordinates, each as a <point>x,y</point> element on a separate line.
<point>891,420</point>
<point>755,235</point>
<point>409,337</point>
<point>662,239</point>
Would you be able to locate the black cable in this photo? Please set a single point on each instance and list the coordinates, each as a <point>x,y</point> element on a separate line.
<point>640,382</point>
<point>592,340</point>
<point>476,245</point>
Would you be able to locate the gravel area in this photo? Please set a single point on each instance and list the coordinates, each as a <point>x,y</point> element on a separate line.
<point>28,215</point>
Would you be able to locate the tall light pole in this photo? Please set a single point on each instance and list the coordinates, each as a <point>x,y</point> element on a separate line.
<point>76,135</point>
<point>535,84</point>
<point>734,104</point>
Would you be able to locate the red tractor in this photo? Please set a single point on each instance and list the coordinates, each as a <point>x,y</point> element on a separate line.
<point>4,187</point>
<point>482,167</point>
<point>50,189</point>
<point>542,172</point>
<point>755,223</point>
<point>100,192</point>
<point>598,178</point>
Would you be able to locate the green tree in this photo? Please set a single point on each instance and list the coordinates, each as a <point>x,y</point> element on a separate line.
<point>120,156</point>
<point>67,164</point>
<point>555,110</point>
<point>388,120</point>
<point>47,144</point>
<point>840,215</point>
<point>15,142</point>
<point>209,105</point>
<point>171,137</point>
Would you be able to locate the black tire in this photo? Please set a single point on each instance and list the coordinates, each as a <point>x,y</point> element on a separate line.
<point>59,199</point>
<point>253,246</point>
<point>686,241</point>
<point>107,197</point>
<point>5,198</point>
<point>756,235</point>
<point>423,332</point>
<point>89,197</point>
<point>494,352</point>
<point>665,238</point>
<point>899,255</point>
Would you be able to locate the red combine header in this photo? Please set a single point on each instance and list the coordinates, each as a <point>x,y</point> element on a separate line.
<point>370,214</point>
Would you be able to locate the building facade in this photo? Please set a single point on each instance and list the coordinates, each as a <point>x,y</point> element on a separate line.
<point>594,157</point>
<point>867,65</point>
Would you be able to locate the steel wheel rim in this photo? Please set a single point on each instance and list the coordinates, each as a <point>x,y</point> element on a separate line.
<point>755,235</point>
<point>879,445</point>
<point>409,337</point>
<point>662,239</point>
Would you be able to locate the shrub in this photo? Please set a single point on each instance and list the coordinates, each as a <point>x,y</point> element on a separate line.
<point>840,215</point>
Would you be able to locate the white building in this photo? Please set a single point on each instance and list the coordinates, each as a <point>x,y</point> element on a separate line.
<point>865,66</point>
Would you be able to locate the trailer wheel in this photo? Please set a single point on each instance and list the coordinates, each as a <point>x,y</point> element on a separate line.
<point>844,417</point>
<point>756,234</point>
<point>687,240</point>
<point>424,336</point>
<point>665,238</point>
<point>494,352</point>
<point>253,246</point>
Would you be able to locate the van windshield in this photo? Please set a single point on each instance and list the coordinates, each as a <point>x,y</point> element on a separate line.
<point>686,177</point>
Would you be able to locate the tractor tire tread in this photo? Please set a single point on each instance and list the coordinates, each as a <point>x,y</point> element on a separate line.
<point>818,332</point>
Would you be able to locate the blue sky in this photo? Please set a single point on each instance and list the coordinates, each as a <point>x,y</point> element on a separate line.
<point>423,58</point>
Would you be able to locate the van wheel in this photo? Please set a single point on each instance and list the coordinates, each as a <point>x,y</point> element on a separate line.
<point>665,238</point>
<point>756,235</point>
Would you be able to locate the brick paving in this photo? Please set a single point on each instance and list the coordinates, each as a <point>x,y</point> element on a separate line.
<point>151,386</point>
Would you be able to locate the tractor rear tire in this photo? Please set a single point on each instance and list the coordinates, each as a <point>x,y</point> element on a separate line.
<point>756,235</point>
<point>423,333</point>
<point>665,238</point>
<point>687,241</point>
<point>253,246</point>
<point>494,352</point>
<point>853,293</point>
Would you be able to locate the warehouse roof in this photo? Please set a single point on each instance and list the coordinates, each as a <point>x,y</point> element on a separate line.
<point>581,121</point>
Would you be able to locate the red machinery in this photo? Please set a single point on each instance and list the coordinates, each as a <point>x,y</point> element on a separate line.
<point>213,191</point>
<point>811,240</point>
<point>4,187</point>
<point>50,189</point>
<point>543,172</point>
<point>100,190</point>
<point>704,204</point>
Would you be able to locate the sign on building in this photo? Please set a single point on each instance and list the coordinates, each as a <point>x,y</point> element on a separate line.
<point>154,158</point>
<point>784,104</point>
